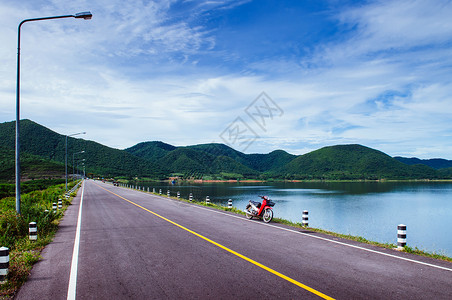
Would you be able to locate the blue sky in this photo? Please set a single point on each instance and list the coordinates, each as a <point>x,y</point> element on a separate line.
<point>377,73</point>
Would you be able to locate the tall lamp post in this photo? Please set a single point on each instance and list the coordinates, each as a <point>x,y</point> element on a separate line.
<point>83,15</point>
<point>73,161</point>
<point>65,157</point>
<point>82,164</point>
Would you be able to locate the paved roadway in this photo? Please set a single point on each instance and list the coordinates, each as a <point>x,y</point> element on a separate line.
<point>134,245</point>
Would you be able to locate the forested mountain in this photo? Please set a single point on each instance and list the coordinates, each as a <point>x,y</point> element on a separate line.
<point>151,150</point>
<point>435,163</point>
<point>352,162</point>
<point>210,159</point>
<point>32,166</point>
<point>41,146</point>
<point>99,159</point>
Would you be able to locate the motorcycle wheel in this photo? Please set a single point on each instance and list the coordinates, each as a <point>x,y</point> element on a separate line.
<point>248,215</point>
<point>268,215</point>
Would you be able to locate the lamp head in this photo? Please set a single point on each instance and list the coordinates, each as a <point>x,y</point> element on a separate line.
<point>86,15</point>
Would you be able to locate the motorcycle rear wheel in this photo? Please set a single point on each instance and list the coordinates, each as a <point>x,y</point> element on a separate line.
<point>248,215</point>
<point>268,215</point>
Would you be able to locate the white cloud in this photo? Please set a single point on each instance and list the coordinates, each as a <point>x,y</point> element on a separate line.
<point>127,76</point>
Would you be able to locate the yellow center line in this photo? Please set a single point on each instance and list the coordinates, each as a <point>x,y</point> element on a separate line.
<point>229,250</point>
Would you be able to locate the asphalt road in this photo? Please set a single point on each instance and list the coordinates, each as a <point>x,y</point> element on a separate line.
<point>141,246</point>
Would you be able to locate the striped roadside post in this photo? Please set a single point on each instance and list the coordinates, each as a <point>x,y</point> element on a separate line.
<point>32,231</point>
<point>160,191</point>
<point>401,236</point>
<point>54,207</point>
<point>190,197</point>
<point>168,193</point>
<point>178,195</point>
<point>305,218</point>
<point>148,189</point>
<point>4,263</point>
<point>60,204</point>
<point>230,203</point>
<point>207,200</point>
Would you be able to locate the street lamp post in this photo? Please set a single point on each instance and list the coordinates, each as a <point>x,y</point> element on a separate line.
<point>65,157</point>
<point>83,15</point>
<point>82,163</point>
<point>73,161</point>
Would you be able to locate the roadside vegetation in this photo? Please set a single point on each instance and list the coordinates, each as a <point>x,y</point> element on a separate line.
<point>14,229</point>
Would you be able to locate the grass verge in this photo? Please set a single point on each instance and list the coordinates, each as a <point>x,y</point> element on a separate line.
<point>14,232</point>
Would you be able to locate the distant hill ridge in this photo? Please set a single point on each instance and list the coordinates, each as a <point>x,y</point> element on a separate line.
<point>435,163</point>
<point>216,161</point>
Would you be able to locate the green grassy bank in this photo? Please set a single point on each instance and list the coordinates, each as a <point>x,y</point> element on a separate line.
<point>14,230</point>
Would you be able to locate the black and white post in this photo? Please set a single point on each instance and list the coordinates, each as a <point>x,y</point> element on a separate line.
<point>32,231</point>
<point>305,218</point>
<point>178,195</point>
<point>4,263</point>
<point>230,203</point>
<point>168,193</point>
<point>60,204</point>
<point>190,197</point>
<point>401,236</point>
<point>207,200</point>
<point>54,207</point>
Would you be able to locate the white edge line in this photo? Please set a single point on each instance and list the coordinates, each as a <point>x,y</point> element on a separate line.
<point>305,234</point>
<point>74,265</point>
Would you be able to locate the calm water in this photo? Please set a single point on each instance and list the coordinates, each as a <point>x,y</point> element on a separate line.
<point>368,209</point>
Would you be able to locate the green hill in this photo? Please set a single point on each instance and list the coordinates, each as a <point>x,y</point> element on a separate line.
<point>151,150</point>
<point>189,161</point>
<point>269,162</point>
<point>352,162</point>
<point>435,163</point>
<point>32,166</point>
<point>42,152</point>
<point>38,140</point>
<point>211,158</point>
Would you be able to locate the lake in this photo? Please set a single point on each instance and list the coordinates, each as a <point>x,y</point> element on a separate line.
<point>368,209</point>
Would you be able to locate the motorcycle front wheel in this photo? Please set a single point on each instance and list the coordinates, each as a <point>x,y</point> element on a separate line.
<point>268,215</point>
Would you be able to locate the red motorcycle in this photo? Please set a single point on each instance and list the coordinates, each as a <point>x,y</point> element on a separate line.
<point>260,210</point>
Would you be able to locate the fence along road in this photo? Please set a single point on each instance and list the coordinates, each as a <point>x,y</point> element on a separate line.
<point>137,245</point>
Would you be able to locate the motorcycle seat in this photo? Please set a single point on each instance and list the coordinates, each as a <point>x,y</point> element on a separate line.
<point>257,204</point>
